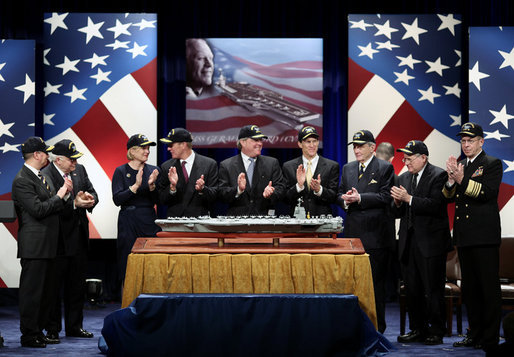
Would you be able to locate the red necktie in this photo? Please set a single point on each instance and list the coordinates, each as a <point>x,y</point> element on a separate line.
<point>184,171</point>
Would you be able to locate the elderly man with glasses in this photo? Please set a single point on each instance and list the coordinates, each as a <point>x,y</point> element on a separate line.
<point>473,184</point>
<point>424,242</point>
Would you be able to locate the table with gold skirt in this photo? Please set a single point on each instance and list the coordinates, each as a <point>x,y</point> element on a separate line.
<point>242,271</point>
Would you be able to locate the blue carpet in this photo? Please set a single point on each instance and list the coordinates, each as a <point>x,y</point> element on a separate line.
<point>93,322</point>
<point>69,346</point>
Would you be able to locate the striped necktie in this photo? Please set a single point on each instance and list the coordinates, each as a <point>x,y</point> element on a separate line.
<point>42,178</point>
<point>361,170</point>
<point>249,171</point>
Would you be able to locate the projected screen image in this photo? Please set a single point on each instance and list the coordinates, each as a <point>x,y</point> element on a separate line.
<point>276,84</point>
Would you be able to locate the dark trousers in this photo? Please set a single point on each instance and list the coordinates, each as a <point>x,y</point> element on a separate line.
<point>379,261</point>
<point>424,282</point>
<point>71,285</point>
<point>481,292</point>
<point>35,295</point>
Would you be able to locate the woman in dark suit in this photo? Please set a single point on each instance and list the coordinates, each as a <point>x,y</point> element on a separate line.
<point>133,189</point>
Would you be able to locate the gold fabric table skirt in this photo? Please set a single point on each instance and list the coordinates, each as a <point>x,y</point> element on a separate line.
<point>251,274</point>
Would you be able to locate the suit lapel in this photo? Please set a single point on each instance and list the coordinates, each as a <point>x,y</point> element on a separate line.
<point>320,168</point>
<point>36,180</point>
<point>425,177</point>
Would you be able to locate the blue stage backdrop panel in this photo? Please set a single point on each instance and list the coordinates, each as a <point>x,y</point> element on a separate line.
<point>100,75</point>
<point>275,83</point>
<point>491,104</point>
<point>17,115</point>
<point>404,81</point>
<point>242,325</point>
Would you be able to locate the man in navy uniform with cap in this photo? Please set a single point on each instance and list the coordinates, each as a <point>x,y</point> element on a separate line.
<point>424,243</point>
<point>364,193</point>
<point>189,182</point>
<point>311,176</point>
<point>250,183</point>
<point>71,261</point>
<point>473,184</point>
<point>37,206</point>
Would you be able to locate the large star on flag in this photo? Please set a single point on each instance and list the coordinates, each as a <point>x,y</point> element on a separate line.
<point>28,88</point>
<point>436,67</point>
<point>92,29</point>
<point>4,129</point>
<point>47,119</point>
<point>508,58</point>
<point>367,50</point>
<point>495,135</point>
<point>407,61</point>
<point>143,24</point>
<point>137,50</point>
<point>49,88</point>
<point>510,165</point>
<point>428,94</point>
<point>101,76</point>
<point>384,29</point>
<point>413,31</point>
<point>403,77</point>
<point>56,21</point>
<point>359,25</point>
<point>448,22</point>
<point>475,75</point>
<point>68,65</point>
<point>8,147</point>
<point>96,60</point>
<point>501,117</point>
<point>120,29</point>
<point>76,94</point>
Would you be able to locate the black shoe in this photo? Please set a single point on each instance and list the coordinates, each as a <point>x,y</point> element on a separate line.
<point>433,340</point>
<point>412,336</point>
<point>35,342</point>
<point>52,338</point>
<point>466,342</point>
<point>79,333</point>
<point>1,341</point>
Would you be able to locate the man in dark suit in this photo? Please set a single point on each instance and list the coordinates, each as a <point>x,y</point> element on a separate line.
<point>311,176</point>
<point>190,181</point>
<point>37,207</point>
<point>424,243</point>
<point>71,261</point>
<point>473,184</point>
<point>364,194</point>
<point>250,183</point>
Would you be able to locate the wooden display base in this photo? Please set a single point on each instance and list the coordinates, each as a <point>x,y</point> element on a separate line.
<point>261,245</point>
<point>221,236</point>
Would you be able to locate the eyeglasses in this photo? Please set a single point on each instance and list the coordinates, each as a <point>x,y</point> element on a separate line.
<point>409,160</point>
<point>468,141</point>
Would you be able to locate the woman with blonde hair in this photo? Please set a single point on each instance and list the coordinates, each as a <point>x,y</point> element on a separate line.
<point>133,189</point>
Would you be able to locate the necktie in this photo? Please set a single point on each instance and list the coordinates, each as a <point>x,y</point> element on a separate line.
<point>361,170</point>
<point>413,186</point>
<point>308,174</point>
<point>42,178</point>
<point>249,171</point>
<point>184,171</point>
<point>414,183</point>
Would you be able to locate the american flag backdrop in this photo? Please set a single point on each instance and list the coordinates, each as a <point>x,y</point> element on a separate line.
<point>17,112</point>
<point>292,68</point>
<point>491,104</point>
<point>100,87</point>
<point>404,81</point>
